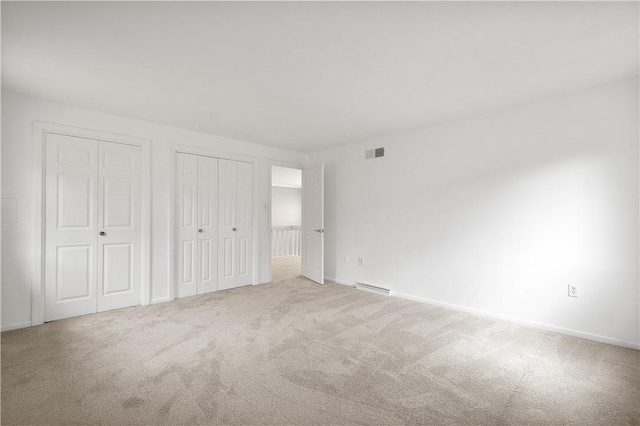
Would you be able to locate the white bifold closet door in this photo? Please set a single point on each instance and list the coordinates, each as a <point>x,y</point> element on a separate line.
<point>197,217</point>
<point>214,229</point>
<point>235,243</point>
<point>93,226</point>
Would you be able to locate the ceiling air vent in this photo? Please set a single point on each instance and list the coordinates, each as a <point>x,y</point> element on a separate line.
<point>374,153</point>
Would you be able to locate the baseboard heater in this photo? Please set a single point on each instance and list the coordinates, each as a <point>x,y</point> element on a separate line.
<point>373,288</point>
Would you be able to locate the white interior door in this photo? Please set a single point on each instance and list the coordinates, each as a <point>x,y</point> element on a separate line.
<point>313,223</point>
<point>186,200</point>
<point>71,226</point>
<point>207,264</point>
<point>244,223</point>
<point>227,219</point>
<point>93,226</point>
<point>119,226</point>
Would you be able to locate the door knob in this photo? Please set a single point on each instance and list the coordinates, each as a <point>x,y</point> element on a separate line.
<point>235,229</point>
<point>200,230</point>
<point>103,233</point>
<point>319,230</point>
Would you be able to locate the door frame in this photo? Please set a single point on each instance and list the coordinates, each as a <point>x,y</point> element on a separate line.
<point>272,163</point>
<point>206,152</point>
<point>40,130</point>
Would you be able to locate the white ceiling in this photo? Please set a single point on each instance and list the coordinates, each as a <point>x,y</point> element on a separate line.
<point>286,177</point>
<point>307,76</point>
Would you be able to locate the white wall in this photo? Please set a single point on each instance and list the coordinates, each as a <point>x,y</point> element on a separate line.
<point>18,115</point>
<point>286,206</point>
<point>497,213</point>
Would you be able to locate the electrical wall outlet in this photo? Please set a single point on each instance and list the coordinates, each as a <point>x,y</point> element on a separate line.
<point>360,261</point>
<point>346,258</point>
<point>573,290</point>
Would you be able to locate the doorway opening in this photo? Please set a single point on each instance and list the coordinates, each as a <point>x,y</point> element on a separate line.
<point>286,223</point>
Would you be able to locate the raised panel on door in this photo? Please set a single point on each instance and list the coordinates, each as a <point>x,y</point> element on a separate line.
<point>186,216</point>
<point>313,223</point>
<point>244,231</point>
<point>119,226</point>
<point>71,170</point>
<point>207,264</point>
<point>227,224</point>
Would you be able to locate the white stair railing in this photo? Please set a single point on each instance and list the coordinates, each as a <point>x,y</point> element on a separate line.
<point>285,241</point>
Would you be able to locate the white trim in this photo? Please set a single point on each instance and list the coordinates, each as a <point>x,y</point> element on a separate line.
<point>194,150</point>
<point>287,186</point>
<point>172,191</point>
<point>534,324</point>
<point>0,210</point>
<point>37,280</point>
<point>162,300</point>
<point>337,281</point>
<point>40,129</point>
<point>486,314</point>
<point>278,163</point>
<point>15,326</point>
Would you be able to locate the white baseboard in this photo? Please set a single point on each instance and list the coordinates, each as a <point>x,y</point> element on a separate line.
<point>164,299</point>
<point>533,324</point>
<point>16,326</point>
<point>337,281</point>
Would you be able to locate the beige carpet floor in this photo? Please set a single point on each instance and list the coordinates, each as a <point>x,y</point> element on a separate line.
<point>296,352</point>
<point>285,268</point>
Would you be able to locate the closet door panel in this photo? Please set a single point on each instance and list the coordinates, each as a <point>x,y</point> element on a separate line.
<point>227,224</point>
<point>207,267</point>
<point>186,216</point>
<point>244,223</point>
<point>119,223</point>
<point>71,226</point>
